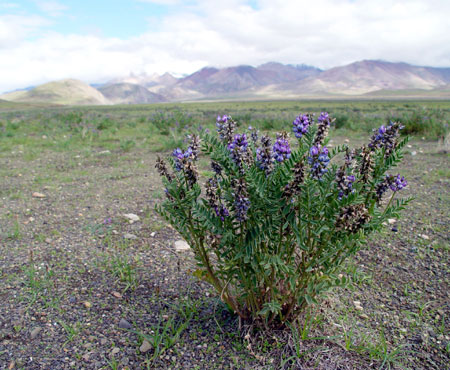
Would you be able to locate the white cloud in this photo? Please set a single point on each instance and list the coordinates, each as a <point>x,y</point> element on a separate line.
<point>15,28</point>
<point>323,33</point>
<point>52,8</point>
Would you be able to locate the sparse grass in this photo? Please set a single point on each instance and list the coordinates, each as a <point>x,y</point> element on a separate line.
<point>400,280</point>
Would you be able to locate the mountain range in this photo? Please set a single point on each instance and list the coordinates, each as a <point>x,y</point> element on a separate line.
<point>364,79</point>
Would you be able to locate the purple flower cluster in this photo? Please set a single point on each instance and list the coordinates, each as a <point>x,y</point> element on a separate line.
<point>241,201</point>
<point>318,160</point>
<point>214,199</point>
<point>281,149</point>
<point>264,155</point>
<point>180,157</point>
<point>386,137</point>
<point>301,125</point>
<point>322,128</point>
<point>221,212</point>
<point>397,183</point>
<point>346,186</point>
<point>241,204</point>
<point>225,127</point>
<point>184,161</point>
<point>323,117</point>
<point>238,148</point>
<point>253,134</point>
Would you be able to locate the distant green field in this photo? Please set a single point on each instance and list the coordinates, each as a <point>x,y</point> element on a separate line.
<point>160,127</point>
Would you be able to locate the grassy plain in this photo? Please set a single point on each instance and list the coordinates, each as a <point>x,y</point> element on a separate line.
<point>72,266</point>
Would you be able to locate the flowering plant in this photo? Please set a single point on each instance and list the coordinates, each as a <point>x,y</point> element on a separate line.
<point>276,223</point>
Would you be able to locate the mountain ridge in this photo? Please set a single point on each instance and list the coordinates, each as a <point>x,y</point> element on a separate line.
<point>272,80</point>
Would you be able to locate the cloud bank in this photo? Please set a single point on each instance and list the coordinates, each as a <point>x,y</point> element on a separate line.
<point>194,34</point>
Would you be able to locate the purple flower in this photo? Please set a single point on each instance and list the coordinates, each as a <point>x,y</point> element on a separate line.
<point>238,148</point>
<point>398,183</point>
<point>180,157</point>
<point>301,124</point>
<point>107,221</point>
<point>318,161</point>
<point>225,127</point>
<point>264,156</point>
<point>253,134</point>
<point>314,151</point>
<point>241,204</point>
<point>323,116</point>
<point>281,150</point>
<point>222,212</point>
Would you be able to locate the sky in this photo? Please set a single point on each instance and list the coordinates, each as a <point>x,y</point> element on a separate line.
<point>97,40</point>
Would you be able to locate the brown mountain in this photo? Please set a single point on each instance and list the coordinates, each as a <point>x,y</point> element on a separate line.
<point>368,75</point>
<point>213,81</point>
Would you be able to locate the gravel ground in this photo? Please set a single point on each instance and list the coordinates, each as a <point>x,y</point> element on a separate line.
<point>83,287</point>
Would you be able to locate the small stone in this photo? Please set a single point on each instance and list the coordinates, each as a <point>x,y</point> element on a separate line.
<point>124,324</point>
<point>115,350</point>
<point>130,236</point>
<point>364,316</point>
<point>426,237</point>
<point>392,220</point>
<point>38,195</point>
<point>103,341</point>
<point>347,140</point>
<point>87,304</point>
<point>105,152</point>
<point>152,234</point>
<point>35,332</point>
<point>413,153</point>
<point>117,294</point>
<point>132,217</point>
<point>181,245</point>
<point>31,219</point>
<point>48,240</point>
<point>145,346</point>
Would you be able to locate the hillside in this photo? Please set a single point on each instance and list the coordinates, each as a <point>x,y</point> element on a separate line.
<point>367,76</point>
<point>365,79</point>
<point>128,93</point>
<point>65,92</point>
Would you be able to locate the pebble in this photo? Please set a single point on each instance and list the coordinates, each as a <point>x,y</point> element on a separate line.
<point>358,305</point>
<point>132,217</point>
<point>117,294</point>
<point>38,195</point>
<point>115,351</point>
<point>130,236</point>
<point>181,245</point>
<point>145,346</point>
<point>35,332</point>
<point>87,304</point>
<point>152,234</point>
<point>392,220</point>
<point>124,324</point>
<point>426,237</point>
